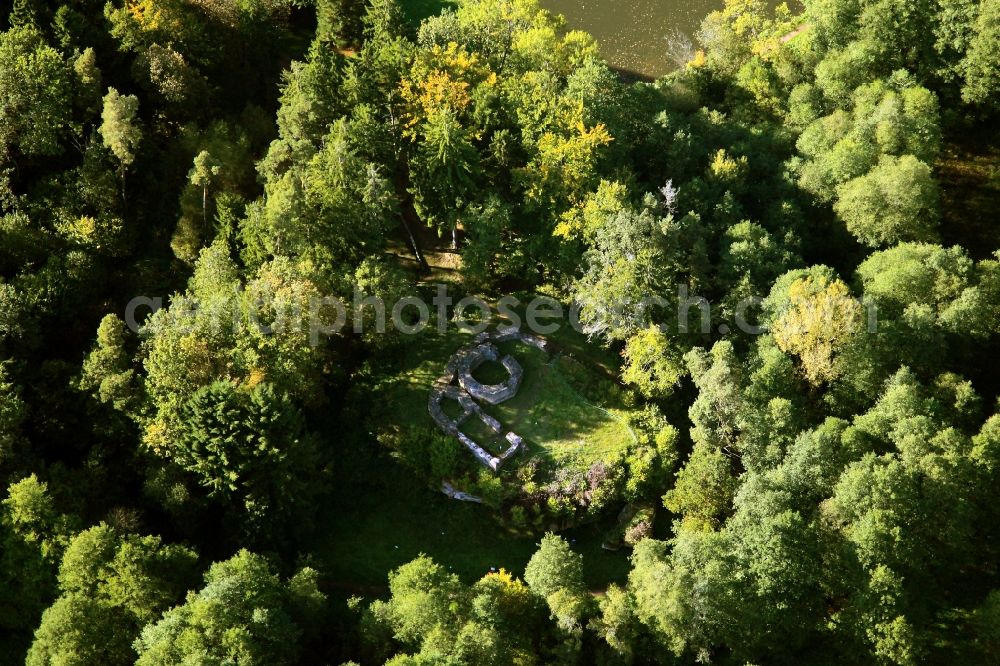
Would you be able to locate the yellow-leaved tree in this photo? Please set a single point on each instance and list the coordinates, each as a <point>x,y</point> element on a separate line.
<point>821,317</point>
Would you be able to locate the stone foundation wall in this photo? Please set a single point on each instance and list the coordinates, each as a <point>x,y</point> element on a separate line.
<point>459,369</point>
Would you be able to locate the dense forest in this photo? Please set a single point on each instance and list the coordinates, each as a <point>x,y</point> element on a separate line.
<point>773,435</point>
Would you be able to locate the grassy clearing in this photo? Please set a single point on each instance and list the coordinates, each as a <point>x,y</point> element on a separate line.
<point>390,518</point>
<point>404,386</point>
<point>386,515</point>
<point>491,372</point>
<point>558,424</point>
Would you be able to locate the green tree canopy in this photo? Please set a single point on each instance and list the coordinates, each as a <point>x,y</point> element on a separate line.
<point>244,613</point>
<point>35,94</point>
<point>896,201</point>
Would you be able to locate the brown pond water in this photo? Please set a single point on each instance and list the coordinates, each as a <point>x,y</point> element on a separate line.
<point>632,33</point>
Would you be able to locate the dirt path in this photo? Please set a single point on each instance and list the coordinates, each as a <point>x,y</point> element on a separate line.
<point>794,33</point>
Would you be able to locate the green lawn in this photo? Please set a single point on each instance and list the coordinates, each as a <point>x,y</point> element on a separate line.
<point>491,372</point>
<point>556,422</point>
<point>559,425</point>
<point>382,515</point>
<point>389,519</point>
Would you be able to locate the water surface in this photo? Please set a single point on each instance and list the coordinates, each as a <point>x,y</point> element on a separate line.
<point>632,33</point>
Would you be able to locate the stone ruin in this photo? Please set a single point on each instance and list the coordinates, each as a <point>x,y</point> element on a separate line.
<point>469,390</point>
<point>456,494</point>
